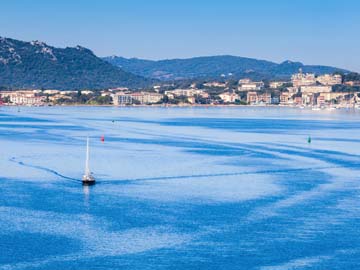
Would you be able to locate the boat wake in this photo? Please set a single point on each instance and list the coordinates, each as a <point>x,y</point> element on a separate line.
<point>176,177</point>
<point>21,163</point>
<point>123,181</point>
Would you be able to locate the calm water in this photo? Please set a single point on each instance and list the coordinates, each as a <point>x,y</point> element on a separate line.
<point>220,188</point>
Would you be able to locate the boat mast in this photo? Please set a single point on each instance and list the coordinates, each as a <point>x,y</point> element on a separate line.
<point>87,169</point>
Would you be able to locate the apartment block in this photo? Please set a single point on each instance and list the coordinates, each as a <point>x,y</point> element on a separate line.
<point>122,98</point>
<point>301,79</point>
<point>315,89</point>
<point>248,85</point>
<point>328,79</point>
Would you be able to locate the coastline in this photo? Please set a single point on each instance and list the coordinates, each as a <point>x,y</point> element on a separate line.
<point>315,108</point>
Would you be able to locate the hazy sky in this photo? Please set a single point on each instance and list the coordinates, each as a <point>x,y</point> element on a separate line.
<point>311,31</point>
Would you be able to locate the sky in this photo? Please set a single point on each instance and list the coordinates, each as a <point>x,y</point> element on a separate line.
<point>322,32</point>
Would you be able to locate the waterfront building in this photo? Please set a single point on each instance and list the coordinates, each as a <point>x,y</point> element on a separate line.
<point>264,98</point>
<point>284,98</point>
<point>187,93</point>
<point>229,97</point>
<point>252,97</point>
<point>122,98</point>
<point>26,97</point>
<point>146,97</point>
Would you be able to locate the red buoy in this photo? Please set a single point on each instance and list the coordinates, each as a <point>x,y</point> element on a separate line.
<point>102,138</point>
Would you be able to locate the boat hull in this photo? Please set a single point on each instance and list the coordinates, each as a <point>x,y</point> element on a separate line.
<point>88,182</point>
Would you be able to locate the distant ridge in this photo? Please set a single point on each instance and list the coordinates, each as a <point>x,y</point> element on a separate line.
<point>37,65</point>
<point>212,67</point>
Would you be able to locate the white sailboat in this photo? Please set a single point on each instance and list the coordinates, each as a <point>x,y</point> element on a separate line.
<point>88,179</point>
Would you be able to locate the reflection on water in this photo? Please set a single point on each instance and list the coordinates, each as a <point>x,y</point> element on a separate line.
<point>86,191</point>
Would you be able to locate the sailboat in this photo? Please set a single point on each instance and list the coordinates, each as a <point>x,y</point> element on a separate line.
<point>88,179</point>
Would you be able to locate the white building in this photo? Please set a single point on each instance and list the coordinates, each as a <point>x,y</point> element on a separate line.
<point>248,85</point>
<point>316,89</point>
<point>146,97</point>
<point>301,79</point>
<point>328,79</point>
<point>228,97</point>
<point>187,93</point>
<point>23,98</point>
<point>122,98</point>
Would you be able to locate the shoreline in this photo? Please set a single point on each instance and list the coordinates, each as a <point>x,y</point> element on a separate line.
<point>191,106</point>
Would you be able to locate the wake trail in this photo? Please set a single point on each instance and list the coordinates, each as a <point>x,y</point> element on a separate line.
<point>177,177</point>
<point>218,174</point>
<point>21,163</point>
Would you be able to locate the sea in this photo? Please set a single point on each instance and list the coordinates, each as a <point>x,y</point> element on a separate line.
<point>251,188</point>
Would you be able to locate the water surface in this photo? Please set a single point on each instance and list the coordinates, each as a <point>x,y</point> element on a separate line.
<point>180,188</point>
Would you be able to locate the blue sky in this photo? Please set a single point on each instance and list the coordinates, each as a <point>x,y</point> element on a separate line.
<point>311,31</point>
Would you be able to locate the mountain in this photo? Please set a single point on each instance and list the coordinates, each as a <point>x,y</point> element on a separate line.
<point>212,67</point>
<point>36,65</point>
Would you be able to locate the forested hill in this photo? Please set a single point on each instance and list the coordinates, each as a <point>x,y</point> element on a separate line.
<point>37,65</point>
<point>214,67</point>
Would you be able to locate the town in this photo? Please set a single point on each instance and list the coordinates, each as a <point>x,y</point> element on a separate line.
<point>303,90</point>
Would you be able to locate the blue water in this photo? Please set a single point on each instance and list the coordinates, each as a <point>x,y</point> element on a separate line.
<point>180,188</point>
